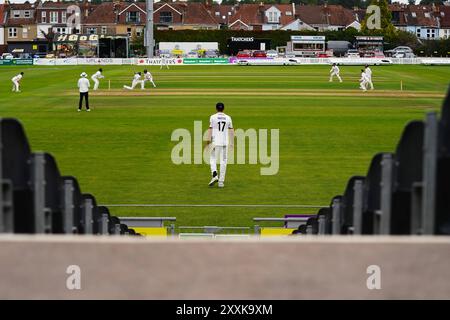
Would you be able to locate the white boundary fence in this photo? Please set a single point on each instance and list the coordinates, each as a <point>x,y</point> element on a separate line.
<point>180,61</point>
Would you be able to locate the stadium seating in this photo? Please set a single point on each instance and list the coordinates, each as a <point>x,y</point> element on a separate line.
<point>406,192</point>
<point>35,198</point>
<point>442,225</point>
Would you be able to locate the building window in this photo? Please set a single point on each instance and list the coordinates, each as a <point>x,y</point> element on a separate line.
<point>427,14</point>
<point>273,17</point>
<point>60,30</point>
<point>413,14</point>
<point>133,17</point>
<point>27,14</point>
<point>12,32</point>
<point>53,17</point>
<point>92,30</point>
<point>16,14</point>
<point>104,30</point>
<point>129,32</point>
<point>24,33</point>
<point>63,17</point>
<point>166,17</point>
<point>44,16</point>
<point>289,13</point>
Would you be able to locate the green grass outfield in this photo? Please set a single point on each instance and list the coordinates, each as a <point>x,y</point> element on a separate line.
<point>120,152</point>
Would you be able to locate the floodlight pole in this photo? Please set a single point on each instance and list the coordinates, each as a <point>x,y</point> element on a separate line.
<point>149,29</point>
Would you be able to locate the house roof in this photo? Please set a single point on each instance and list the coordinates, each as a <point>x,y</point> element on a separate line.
<point>254,14</point>
<point>224,11</point>
<point>2,14</point>
<point>444,16</point>
<point>420,15</point>
<point>195,13</point>
<point>103,14</point>
<point>131,5</point>
<point>250,14</point>
<point>22,6</point>
<point>335,15</point>
<point>57,5</point>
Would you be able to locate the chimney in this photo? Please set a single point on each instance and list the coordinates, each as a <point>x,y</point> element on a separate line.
<point>293,9</point>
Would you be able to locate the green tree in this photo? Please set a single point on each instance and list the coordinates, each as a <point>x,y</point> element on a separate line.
<point>386,26</point>
<point>137,44</point>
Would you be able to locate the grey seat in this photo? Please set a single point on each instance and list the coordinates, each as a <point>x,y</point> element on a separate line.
<point>443,172</point>
<point>72,205</point>
<point>371,194</point>
<point>348,200</point>
<point>15,173</point>
<point>408,171</point>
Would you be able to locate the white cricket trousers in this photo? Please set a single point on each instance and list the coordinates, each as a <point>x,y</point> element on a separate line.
<point>149,80</point>
<point>369,83</point>
<point>133,84</point>
<point>363,85</point>
<point>219,152</point>
<point>96,83</point>
<point>15,86</point>
<point>335,74</point>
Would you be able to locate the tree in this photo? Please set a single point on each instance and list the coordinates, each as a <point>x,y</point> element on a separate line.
<point>137,44</point>
<point>385,19</point>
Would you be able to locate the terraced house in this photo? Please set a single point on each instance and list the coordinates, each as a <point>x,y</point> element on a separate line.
<point>2,27</point>
<point>427,22</point>
<point>292,17</point>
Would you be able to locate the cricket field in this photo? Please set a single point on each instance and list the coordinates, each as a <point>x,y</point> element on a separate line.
<point>121,151</point>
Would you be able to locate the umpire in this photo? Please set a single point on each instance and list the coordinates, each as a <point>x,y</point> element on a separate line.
<point>83,86</point>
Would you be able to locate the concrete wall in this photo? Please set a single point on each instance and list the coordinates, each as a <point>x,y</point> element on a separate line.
<point>293,268</point>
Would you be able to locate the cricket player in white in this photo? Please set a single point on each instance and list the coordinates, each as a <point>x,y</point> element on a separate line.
<point>16,82</point>
<point>220,135</point>
<point>369,77</point>
<point>136,80</point>
<point>147,77</point>
<point>335,72</point>
<point>164,62</point>
<point>363,81</point>
<point>96,76</point>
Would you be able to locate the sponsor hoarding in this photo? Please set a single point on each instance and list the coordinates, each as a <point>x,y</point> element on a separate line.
<point>205,61</point>
<point>13,62</point>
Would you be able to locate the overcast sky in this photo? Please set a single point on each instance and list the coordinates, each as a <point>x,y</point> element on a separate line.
<point>22,1</point>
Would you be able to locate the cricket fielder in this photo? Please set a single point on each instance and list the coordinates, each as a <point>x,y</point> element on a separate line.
<point>164,62</point>
<point>363,81</point>
<point>96,76</point>
<point>335,72</point>
<point>136,80</point>
<point>220,136</point>
<point>147,77</point>
<point>16,82</point>
<point>369,77</point>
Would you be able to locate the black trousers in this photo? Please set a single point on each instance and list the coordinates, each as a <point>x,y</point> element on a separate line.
<point>84,95</point>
